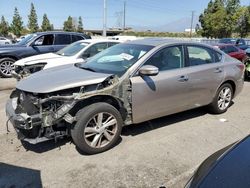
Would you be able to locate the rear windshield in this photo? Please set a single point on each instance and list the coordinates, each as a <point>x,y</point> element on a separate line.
<point>72,49</point>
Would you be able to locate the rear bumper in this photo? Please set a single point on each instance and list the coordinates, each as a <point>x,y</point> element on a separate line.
<point>239,87</point>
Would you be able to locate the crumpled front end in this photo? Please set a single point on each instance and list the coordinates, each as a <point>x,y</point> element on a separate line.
<point>21,72</point>
<point>38,117</point>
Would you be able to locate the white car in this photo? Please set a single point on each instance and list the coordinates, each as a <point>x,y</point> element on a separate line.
<point>124,38</point>
<point>4,41</point>
<point>76,52</point>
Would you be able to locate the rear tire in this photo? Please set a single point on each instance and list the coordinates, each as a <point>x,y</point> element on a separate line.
<point>222,99</point>
<point>6,67</point>
<point>97,129</point>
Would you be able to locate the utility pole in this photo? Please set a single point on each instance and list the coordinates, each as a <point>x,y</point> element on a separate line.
<point>192,20</point>
<point>124,16</point>
<point>104,33</point>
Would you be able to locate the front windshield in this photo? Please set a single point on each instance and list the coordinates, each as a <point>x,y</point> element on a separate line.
<point>117,59</point>
<point>27,39</point>
<point>72,49</point>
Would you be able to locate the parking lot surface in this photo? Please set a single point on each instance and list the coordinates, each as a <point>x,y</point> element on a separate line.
<point>164,151</point>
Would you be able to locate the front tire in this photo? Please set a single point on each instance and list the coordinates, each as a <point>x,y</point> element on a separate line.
<point>222,99</point>
<point>6,67</point>
<point>97,129</point>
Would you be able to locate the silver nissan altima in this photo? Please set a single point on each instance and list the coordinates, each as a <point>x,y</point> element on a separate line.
<point>126,84</point>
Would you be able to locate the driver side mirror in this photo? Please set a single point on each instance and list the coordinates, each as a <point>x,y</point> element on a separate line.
<point>148,70</point>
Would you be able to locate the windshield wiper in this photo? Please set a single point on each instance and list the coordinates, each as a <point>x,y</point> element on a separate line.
<point>87,68</point>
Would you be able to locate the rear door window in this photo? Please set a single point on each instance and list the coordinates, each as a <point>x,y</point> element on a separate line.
<point>200,55</point>
<point>62,39</point>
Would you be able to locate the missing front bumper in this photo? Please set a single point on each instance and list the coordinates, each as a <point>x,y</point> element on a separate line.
<point>26,126</point>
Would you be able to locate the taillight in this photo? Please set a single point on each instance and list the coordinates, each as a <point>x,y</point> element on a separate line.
<point>241,67</point>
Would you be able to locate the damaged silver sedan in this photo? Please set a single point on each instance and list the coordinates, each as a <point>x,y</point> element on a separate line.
<point>126,84</point>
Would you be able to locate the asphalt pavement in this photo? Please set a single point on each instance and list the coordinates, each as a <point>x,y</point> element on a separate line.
<point>165,151</point>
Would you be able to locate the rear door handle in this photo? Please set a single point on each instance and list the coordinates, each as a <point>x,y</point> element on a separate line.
<point>218,70</point>
<point>183,79</point>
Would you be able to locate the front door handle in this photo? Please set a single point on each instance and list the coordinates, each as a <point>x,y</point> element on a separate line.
<point>183,79</point>
<point>218,70</point>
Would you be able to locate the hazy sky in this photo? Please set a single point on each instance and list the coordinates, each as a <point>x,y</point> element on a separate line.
<point>139,12</point>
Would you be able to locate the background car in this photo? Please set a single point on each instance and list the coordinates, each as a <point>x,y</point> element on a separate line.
<point>233,51</point>
<point>126,84</point>
<point>228,167</point>
<point>37,43</point>
<point>76,52</point>
<point>4,41</point>
<point>240,43</point>
<point>237,53</point>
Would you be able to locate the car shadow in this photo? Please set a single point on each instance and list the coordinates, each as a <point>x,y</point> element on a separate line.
<point>136,129</point>
<point>46,146</point>
<point>132,130</point>
<point>15,176</point>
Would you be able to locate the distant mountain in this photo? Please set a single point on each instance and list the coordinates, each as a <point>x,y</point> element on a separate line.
<point>175,26</point>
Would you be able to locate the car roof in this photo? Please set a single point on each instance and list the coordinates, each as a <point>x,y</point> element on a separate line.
<point>160,41</point>
<point>93,41</point>
<point>58,32</point>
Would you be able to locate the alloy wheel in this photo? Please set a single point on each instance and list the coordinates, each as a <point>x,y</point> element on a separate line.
<point>100,130</point>
<point>224,98</point>
<point>6,67</point>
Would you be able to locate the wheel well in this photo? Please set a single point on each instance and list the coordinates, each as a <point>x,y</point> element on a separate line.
<point>12,57</point>
<point>231,83</point>
<point>118,104</point>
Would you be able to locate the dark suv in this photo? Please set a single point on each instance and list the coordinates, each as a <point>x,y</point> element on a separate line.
<point>33,44</point>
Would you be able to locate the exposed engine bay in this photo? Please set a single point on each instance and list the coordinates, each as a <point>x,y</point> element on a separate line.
<point>39,117</point>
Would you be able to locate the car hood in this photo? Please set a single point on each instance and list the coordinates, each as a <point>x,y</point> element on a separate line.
<point>10,48</point>
<point>36,59</point>
<point>60,78</point>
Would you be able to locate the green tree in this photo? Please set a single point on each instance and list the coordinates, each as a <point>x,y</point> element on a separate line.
<point>68,24</point>
<point>80,25</point>
<point>46,26</point>
<point>4,27</point>
<point>218,20</point>
<point>231,7</point>
<point>17,23</point>
<point>243,21</point>
<point>32,23</point>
